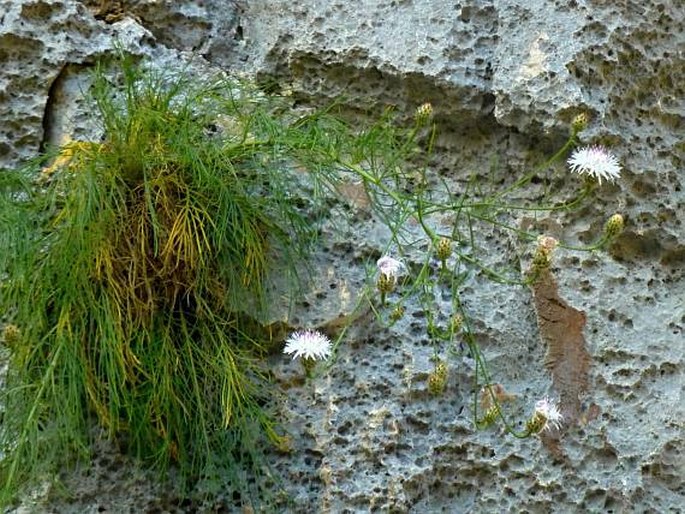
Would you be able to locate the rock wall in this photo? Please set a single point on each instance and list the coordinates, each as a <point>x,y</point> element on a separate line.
<point>505,78</point>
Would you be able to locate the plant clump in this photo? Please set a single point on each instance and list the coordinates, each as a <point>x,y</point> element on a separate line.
<point>134,269</point>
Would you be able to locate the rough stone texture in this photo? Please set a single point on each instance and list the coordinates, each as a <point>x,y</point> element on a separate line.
<point>518,71</point>
<point>39,43</point>
<point>505,78</point>
<point>47,48</point>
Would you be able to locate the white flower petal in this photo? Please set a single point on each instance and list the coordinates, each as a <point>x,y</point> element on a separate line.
<point>308,344</point>
<point>389,267</point>
<point>550,412</point>
<point>595,161</point>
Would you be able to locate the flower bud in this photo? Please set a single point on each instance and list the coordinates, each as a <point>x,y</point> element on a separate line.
<point>547,244</point>
<point>437,380</point>
<point>457,323</point>
<point>397,313</point>
<point>536,423</point>
<point>491,415</point>
<point>613,226</point>
<point>443,249</point>
<point>580,123</point>
<point>385,283</point>
<point>11,335</point>
<point>545,417</point>
<point>542,258</point>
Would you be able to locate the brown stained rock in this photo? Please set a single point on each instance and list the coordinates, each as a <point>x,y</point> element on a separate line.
<point>567,359</point>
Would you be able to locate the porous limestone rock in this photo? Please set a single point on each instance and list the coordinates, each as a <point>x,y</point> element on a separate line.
<point>47,49</point>
<point>41,43</point>
<point>505,78</point>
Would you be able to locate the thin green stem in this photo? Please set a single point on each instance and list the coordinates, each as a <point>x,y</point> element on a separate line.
<point>481,368</point>
<point>495,275</point>
<point>600,243</point>
<point>528,177</point>
<point>538,208</point>
<point>48,377</point>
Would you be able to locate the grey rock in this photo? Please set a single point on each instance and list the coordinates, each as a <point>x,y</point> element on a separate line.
<point>41,44</point>
<point>48,48</point>
<point>505,79</point>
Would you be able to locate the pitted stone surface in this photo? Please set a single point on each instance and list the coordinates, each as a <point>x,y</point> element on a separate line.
<point>518,72</point>
<point>505,78</point>
<point>47,48</point>
<point>38,39</point>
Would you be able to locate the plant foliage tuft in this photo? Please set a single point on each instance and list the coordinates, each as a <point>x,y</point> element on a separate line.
<point>135,267</point>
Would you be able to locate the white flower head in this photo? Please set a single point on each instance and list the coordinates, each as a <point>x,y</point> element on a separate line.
<point>550,412</point>
<point>308,344</point>
<point>390,267</point>
<point>595,161</point>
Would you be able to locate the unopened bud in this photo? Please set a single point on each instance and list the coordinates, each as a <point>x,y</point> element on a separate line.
<point>397,313</point>
<point>613,226</point>
<point>491,415</point>
<point>11,335</point>
<point>437,380</point>
<point>443,249</point>
<point>580,123</point>
<point>457,323</point>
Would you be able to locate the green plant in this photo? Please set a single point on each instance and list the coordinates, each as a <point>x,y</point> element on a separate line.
<point>475,210</point>
<point>135,270</point>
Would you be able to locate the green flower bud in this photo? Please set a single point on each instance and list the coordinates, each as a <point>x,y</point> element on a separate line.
<point>580,123</point>
<point>437,380</point>
<point>443,249</point>
<point>11,335</point>
<point>613,226</point>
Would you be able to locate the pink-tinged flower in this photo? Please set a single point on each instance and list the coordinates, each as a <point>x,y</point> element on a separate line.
<point>308,344</point>
<point>595,161</point>
<point>547,244</point>
<point>389,267</point>
<point>550,413</point>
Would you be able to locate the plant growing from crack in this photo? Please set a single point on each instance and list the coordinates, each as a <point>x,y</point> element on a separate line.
<point>135,269</point>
